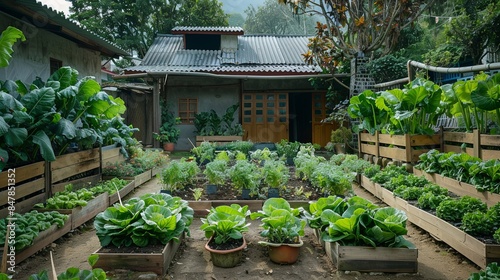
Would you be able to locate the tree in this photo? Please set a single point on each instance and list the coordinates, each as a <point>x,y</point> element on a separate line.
<point>273,18</point>
<point>476,28</point>
<point>355,27</point>
<point>133,24</point>
<point>236,19</point>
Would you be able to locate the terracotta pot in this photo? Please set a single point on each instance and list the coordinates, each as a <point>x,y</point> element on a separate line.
<point>226,258</point>
<point>283,253</point>
<point>168,147</point>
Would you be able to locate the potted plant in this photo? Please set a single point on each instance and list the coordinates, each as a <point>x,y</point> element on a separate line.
<point>340,137</point>
<point>224,226</point>
<point>245,176</point>
<point>275,174</point>
<point>169,132</point>
<point>216,174</point>
<point>288,150</point>
<point>283,228</point>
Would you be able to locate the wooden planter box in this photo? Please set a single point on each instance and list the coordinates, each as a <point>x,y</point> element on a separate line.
<point>478,252</point>
<point>460,188</point>
<point>483,146</point>
<point>43,239</point>
<point>80,215</point>
<point>405,148</point>
<point>219,140</point>
<point>152,262</point>
<point>123,192</point>
<point>138,179</point>
<point>30,187</point>
<point>368,259</point>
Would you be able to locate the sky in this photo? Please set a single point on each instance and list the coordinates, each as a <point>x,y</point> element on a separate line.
<point>59,5</point>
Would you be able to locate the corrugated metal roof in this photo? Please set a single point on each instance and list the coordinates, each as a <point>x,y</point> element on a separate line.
<point>47,17</point>
<point>256,53</point>
<point>222,29</point>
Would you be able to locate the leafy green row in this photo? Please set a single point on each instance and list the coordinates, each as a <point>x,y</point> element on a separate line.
<point>69,199</point>
<point>491,272</point>
<point>149,219</point>
<point>29,225</point>
<point>472,215</point>
<point>484,175</point>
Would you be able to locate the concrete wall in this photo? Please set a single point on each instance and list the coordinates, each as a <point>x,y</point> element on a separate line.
<point>31,58</point>
<point>212,93</point>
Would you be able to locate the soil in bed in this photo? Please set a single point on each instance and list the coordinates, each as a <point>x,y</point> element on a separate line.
<point>295,189</point>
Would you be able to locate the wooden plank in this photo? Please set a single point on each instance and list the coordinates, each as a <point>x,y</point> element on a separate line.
<point>367,137</point>
<point>369,259</point>
<point>110,153</point>
<point>123,192</point>
<point>75,158</point>
<point>23,190</point>
<point>490,154</point>
<point>22,173</point>
<point>451,148</point>
<point>425,140</point>
<point>152,262</point>
<point>74,169</point>
<point>490,140</point>
<point>459,137</point>
<point>78,183</point>
<point>25,205</point>
<point>393,153</point>
<point>398,140</point>
<point>369,149</point>
<point>138,179</point>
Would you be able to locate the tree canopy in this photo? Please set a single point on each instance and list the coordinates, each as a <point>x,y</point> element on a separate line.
<point>273,18</point>
<point>355,27</point>
<point>133,24</point>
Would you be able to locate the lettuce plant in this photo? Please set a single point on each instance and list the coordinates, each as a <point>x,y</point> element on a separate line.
<point>225,223</point>
<point>361,223</point>
<point>281,223</point>
<point>150,219</point>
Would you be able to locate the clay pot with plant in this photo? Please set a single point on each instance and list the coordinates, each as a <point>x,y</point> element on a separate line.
<point>224,226</point>
<point>169,131</point>
<point>283,228</point>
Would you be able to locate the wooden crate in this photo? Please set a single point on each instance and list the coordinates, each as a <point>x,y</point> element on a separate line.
<point>479,145</point>
<point>111,154</point>
<point>478,252</point>
<point>69,165</point>
<point>81,215</point>
<point>219,140</point>
<point>405,148</point>
<point>30,187</point>
<point>123,192</point>
<point>368,259</point>
<point>43,239</point>
<point>138,179</point>
<point>460,188</point>
<point>148,262</point>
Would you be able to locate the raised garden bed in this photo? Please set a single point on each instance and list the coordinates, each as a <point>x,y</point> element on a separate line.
<point>219,140</point>
<point>123,192</point>
<point>43,239</point>
<point>370,259</point>
<point>157,261</point>
<point>459,188</point>
<point>483,146</point>
<point>139,179</point>
<point>475,250</point>
<point>81,215</point>
<point>201,207</point>
<point>405,148</point>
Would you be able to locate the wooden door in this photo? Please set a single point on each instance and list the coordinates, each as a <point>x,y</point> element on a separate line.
<point>321,130</point>
<point>265,116</point>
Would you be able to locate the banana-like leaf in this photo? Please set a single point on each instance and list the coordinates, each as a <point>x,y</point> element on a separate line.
<point>42,140</point>
<point>486,98</point>
<point>66,128</point>
<point>87,89</point>
<point>39,101</point>
<point>9,103</point>
<point>16,136</point>
<point>4,126</point>
<point>7,40</point>
<point>66,76</point>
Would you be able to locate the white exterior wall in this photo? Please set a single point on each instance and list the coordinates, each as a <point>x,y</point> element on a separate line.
<point>31,58</point>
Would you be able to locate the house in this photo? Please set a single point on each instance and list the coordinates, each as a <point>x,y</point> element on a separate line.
<point>196,69</point>
<point>52,41</point>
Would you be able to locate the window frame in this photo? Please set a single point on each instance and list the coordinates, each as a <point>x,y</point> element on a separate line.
<point>188,101</point>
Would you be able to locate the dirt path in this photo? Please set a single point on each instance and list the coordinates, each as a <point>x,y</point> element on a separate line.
<point>436,260</point>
